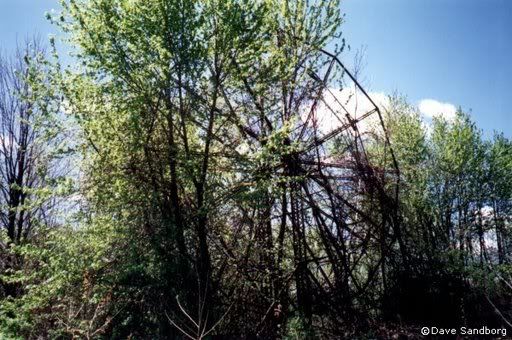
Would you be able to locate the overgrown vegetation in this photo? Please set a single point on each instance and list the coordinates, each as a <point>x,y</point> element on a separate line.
<point>168,184</point>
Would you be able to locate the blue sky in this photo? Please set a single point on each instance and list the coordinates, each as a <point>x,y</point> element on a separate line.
<point>453,52</point>
<point>22,18</point>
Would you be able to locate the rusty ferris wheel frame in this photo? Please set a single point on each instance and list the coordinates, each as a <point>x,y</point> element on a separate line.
<point>350,201</point>
<point>352,120</point>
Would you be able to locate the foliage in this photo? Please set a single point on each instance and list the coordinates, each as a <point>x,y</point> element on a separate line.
<point>199,203</point>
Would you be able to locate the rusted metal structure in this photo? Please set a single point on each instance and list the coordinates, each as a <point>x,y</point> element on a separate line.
<point>326,229</point>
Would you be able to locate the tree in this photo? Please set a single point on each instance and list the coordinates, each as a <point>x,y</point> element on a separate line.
<point>500,192</point>
<point>235,180</point>
<point>164,117</point>
<point>27,168</point>
<point>24,154</point>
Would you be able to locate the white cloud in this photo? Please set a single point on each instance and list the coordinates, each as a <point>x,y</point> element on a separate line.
<point>343,102</point>
<point>7,141</point>
<point>430,108</point>
<point>356,104</point>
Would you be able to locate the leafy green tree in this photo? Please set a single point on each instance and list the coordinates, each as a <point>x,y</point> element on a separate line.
<point>500,192</point>
<point>208,205</point>
<point>162,119</point>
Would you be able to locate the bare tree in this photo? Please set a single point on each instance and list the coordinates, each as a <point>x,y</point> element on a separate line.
<point>24,161</point>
